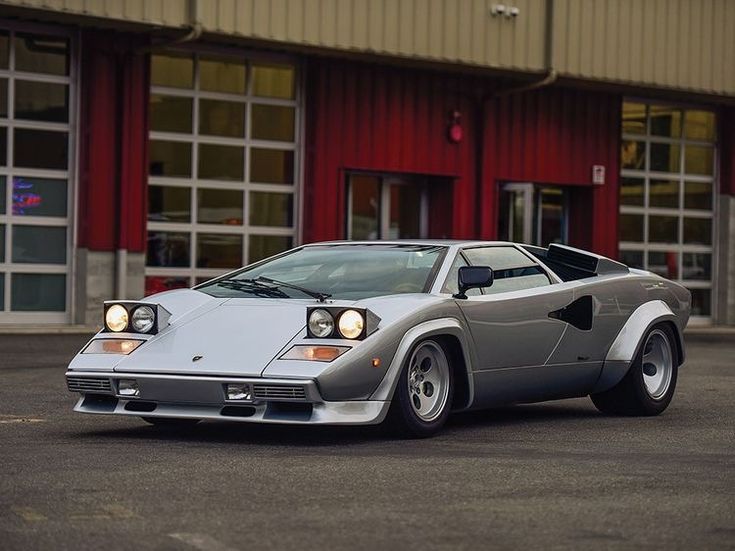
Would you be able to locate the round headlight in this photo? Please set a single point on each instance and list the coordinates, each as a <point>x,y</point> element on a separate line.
<point>143,319</point>
<point>116,318</point>
<point>321,323</point>
<point>351,324</point>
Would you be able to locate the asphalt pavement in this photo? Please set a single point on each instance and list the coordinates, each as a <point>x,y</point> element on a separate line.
<point>553,475</point>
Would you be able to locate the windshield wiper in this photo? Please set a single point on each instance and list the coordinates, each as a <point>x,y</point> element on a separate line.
<point>254,287</point>
<point>321,297</point>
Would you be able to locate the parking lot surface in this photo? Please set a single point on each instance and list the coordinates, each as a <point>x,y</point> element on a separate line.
<point>546,475</point>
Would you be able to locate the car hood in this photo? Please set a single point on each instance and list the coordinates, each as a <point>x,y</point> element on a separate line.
<point>237,337</point>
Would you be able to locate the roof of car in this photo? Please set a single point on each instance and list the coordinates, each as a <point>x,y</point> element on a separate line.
<point>436,242</point>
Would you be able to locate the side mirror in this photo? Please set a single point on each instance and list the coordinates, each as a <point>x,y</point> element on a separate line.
<point>473,277</point>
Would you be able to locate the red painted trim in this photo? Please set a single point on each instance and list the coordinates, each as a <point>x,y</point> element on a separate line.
<point>113,142</point>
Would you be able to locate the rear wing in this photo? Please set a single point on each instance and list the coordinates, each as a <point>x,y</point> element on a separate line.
<point>570,263</point>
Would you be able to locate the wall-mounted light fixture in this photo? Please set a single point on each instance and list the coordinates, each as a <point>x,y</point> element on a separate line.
<point>454,129</point>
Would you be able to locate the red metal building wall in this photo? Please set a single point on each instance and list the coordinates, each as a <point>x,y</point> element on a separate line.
<point>368,117</point>
<point>113,142</point>
<point>555,136</point>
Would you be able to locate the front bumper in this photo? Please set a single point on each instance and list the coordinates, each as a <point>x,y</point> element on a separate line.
<point>289,401</point>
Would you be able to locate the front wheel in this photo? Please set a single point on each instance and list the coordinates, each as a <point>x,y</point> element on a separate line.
<point>423,398</point>
<point>648,387</point>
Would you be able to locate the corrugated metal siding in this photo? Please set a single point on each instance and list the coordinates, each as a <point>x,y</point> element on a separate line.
<point>681,44</point>
<point>461,31</point>
<point>169,13</point>
<point>685,44</point>
<point>365,117</point>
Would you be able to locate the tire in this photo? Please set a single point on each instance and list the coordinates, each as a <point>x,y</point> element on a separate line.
<point>649,385</point>
<point>171,422</point>
<point>422,400</point>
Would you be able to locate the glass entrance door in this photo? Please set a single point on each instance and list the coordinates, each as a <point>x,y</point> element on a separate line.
<point>387,207</point>
<point>537,215</point>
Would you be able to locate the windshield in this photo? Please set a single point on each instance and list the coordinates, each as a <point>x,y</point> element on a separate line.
<point>345,271</point>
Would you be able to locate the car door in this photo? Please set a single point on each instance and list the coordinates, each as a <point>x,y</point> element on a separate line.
<point>512,331</point>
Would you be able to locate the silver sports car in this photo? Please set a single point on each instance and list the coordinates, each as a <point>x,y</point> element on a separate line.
<point>405,332</point>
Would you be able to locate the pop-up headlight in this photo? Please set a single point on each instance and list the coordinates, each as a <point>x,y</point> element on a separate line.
<point>333,322</point>
<point>125,316</point>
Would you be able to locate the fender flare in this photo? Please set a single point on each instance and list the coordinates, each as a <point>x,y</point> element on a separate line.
<point>626,345</point>
<point>442,326</point>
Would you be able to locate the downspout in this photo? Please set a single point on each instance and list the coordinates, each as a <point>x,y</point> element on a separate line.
<point>121,252</point>
<point>482,100</point>
<point>195,29</point>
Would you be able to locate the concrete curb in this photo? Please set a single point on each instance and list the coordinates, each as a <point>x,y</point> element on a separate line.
<point>48,330</point>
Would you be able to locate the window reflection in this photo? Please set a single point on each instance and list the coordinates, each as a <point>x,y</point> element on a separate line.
<point>40,149</point>
<point>633,155</point>
<point>221,162</point>
<point>665,157</point>
<point>39,197</point>
<point>271,209</point>
<point>169,158</point>
<point>263,246</point>
<point>39,244</point>
<point>663,229</point>
<point>665,121</point>
<point>272,122</point>
<point>41,54</point>
<point>222,74</point>
<point>697,266</point>
<point>38,292</point>
<point>271,166</point>
<point>169,204</point>
<point>170,113</point>
<point>41,101</point>
<point>176,71</point>
<point>634,118</point>
<point>215,250</point>
<point>631,191</point>
<point>168,249</point>
<point>221,118</point>
<point>219,206</point>
<point>631,227</point>
<point>274,81</point>
<point>665,264</point>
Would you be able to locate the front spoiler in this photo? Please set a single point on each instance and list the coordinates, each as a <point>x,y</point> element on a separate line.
<point>194,397</point>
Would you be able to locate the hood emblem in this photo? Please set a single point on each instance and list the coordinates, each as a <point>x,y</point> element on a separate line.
<point>196,358</point>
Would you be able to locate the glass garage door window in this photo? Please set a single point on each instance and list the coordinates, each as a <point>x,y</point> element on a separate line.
<point>35,168</point>
<point>667,195</point>
<point>222,165</point>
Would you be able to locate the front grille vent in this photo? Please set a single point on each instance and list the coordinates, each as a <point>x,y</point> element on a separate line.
<point>279,392</point>
<point>88,384</point>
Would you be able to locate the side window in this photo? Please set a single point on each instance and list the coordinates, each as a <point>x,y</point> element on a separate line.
<point>513,270</point>
<point>450,284</point>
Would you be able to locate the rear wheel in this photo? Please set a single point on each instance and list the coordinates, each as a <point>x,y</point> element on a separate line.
<point>423,397</point>
<point>171,422</point>
<point>649,385</point>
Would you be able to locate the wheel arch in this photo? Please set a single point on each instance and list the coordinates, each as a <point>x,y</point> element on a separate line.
<point>452,336</point>
<point>629,340</point>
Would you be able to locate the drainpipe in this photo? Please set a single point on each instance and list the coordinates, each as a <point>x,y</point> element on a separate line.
<point>481,100</point>
<point>195,31</point>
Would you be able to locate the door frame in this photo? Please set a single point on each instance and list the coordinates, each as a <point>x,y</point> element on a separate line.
<point>532,211</point>
<point>388,179</point>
